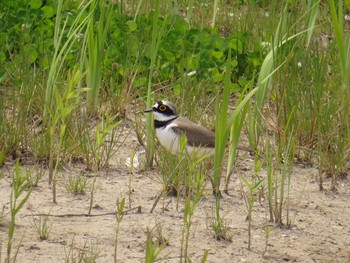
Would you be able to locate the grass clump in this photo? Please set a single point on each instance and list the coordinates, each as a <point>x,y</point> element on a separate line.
<point>77,184</point>
<point>252,186</point>
<point>119,218</point>
<point>153,248</point>
<point>85,253</point>
<point>42,226</point>
<point>20,192</point>
<point>218,225</point>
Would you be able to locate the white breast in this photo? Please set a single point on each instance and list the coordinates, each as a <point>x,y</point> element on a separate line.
<point>168,138</point>
<point>171,142</point>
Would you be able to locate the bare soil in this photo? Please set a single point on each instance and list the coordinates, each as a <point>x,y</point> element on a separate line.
<point>319,232</point>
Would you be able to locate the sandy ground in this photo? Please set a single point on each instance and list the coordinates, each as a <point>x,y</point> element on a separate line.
<point>320,229</point>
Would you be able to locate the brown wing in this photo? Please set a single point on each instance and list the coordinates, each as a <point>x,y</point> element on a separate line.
<point>197,135</point>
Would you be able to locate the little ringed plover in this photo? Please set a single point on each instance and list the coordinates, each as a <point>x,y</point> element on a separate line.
<point>170,127</point>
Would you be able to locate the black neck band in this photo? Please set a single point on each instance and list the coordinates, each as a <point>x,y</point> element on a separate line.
<point>159,124</point>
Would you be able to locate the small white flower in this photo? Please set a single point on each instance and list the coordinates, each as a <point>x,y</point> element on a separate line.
<point>265,44</point>
<point>25,26</point>
<point>191,73</point>
<point>299,64</point>
<point>79,37</point>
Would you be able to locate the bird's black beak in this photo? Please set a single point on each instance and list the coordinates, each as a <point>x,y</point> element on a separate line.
<point>149,110</point>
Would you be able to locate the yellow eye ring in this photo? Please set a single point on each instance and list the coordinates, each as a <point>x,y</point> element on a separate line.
<point>162,107</point>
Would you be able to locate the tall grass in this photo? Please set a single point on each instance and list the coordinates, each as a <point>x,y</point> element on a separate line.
<point>315,115</point>
<point>269,67</point>
<point>153,249</point>
<point>65,103</point>
<point>235,132</point>
<point>193,198</point>
<point>215,11</point>
<point>9,135</point>
<point>341,149</point>
<point>156,36</point>
<point>343,40</point>
<point>222,130</point>
<point>62,49</point>
<point>101,14</point>
<point>224,127</point>
<point>280,164</point>
<point>253,186</point>
<point>20,192</point>
<point>119,217</point>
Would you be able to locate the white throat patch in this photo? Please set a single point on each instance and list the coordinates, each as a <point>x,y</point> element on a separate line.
<point>162,117</point>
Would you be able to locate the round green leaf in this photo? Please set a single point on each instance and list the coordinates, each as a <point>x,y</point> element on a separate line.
<point>234,63</point>
<point>217,54</point>
<point>177,89</point>
<point>139,82</point>
<point>218,77</point>
<point>31,53</point>
<point>133,45</point>
<point>35,4</point>
<point>48,11</point>
<point>132,26</point>
<point>167,55</point>
<point>235,88</point>
<point>2,56</point>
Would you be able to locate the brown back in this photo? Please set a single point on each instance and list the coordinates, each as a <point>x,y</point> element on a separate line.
<point>196,134</point>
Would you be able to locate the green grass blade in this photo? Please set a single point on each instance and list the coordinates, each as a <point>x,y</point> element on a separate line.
<point>343,41</point>
<point>61,51</point>
<point>95,45</point>
<point>313,7</point>
<point>221,134</point>
<point>156,38</point>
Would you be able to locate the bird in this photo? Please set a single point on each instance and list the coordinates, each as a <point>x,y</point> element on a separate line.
<point>170,127</point>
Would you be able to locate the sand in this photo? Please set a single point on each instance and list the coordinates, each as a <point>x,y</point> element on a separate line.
<point>319,229</point>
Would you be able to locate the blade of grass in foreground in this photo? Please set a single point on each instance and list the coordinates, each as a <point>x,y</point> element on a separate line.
<point>313,11</point>
<point>266,73</point>
<point>215,11</point>
<point>62,49</point>
<point>223,127</point>
<point>157,35</point>
<point>221,135</point>
<point>95,46</point>
<point>235,132</point>
<point>342,41</point>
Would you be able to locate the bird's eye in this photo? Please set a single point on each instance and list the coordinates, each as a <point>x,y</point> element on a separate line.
<point>162,107</point>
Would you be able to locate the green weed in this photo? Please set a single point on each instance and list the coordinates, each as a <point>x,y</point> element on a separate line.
<point>65,103</point>
<point>156,36</point>
<point>252,186</point>
<point>20,192</point>
<point>217,223</point>
<point>119,218</point>
<point>85,253</point>
<point>187,173</point>
<point>42,226</point>
<point>97,31</point>
<point>77,184</point>
<point>98,142</point>
<point>153,249</point>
